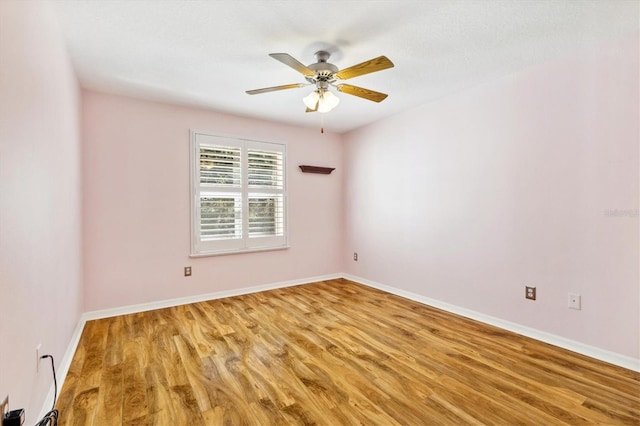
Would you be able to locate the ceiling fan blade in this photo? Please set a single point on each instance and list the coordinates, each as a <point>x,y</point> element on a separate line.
<point>289,60</point>
<point>362,93</point>
<point>377,64</point>
<point>274,88</point>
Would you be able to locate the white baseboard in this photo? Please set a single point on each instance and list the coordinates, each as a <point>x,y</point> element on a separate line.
<point>591,351</point>
<point>572,345</point>
<point>63,367</point>
<point>143,307</point>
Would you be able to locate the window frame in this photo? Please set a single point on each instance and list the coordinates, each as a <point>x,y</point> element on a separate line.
<point>245,243</point>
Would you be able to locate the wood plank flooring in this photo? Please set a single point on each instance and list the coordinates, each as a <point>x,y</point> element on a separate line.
<point>331,353</point>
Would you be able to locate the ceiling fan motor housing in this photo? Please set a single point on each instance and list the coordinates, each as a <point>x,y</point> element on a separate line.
<point>324,71</point>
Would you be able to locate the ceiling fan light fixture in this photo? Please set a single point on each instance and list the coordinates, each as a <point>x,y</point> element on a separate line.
<point>322,99</point>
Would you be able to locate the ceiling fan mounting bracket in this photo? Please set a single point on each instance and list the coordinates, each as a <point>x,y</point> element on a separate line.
<point>322,55</point>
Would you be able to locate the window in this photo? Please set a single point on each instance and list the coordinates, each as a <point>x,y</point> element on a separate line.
<point>238,195</point>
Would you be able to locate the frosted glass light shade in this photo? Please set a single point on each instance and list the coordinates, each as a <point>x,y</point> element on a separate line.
<point>328,101</point>
<point>323,99</point>
<point>311,100</point>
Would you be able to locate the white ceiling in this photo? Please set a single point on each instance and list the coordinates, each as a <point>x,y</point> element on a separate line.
<point>207,53</point>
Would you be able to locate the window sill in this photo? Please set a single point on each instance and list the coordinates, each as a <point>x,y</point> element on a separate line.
<point>226,253</point>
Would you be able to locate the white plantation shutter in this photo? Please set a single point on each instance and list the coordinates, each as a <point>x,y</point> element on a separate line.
<point>265,217</point>
<point>220,165</point>
<point>238,192</point>
<point>220,192</point>
<point>266,193</point>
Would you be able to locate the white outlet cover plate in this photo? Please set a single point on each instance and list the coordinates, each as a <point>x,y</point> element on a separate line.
<point>574,301</point>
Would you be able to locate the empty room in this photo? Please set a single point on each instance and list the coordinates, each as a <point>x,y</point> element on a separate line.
<point>391,212</point>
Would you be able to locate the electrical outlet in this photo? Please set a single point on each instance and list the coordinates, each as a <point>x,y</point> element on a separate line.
<point>187,271</point>
<point>355,256</point>
<point>38,351</point>
<point>574,301</point>
<point>530,293</point>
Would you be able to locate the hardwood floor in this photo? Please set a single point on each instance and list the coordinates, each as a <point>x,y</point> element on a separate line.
<point>331,353</point>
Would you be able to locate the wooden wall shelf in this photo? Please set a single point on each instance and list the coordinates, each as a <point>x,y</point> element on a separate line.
<point>317,169</point>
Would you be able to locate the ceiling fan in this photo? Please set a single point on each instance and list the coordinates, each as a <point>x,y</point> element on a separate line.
<point>323,74</point>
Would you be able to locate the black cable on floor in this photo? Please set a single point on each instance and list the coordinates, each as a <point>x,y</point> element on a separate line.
<point>51,418</point>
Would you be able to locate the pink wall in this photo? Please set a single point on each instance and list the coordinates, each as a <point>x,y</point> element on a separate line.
<point>40,206</point>
<point>136,204</point>
<point>468,199</point>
